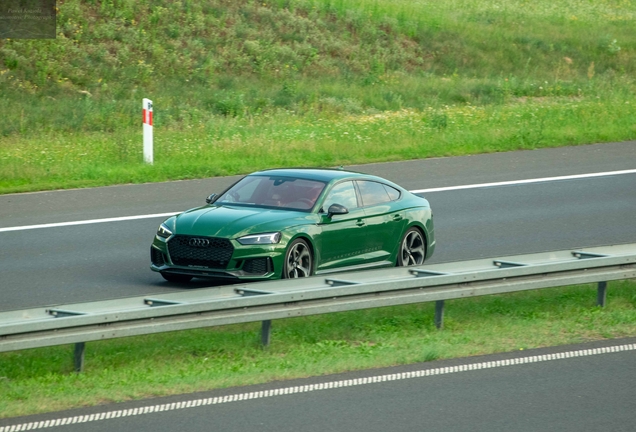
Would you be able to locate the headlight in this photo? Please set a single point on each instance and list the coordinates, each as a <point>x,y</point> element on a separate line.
<point>260,239</point>
<point>163,231</point>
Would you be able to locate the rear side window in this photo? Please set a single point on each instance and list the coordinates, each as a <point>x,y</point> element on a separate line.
<point>373,193</point>
<point>394,194</point>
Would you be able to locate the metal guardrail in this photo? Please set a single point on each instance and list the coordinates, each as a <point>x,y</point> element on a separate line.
<point>265,301</point>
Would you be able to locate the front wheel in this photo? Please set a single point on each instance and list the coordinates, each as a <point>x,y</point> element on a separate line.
<point>412,248</point>
<point>298,260</point>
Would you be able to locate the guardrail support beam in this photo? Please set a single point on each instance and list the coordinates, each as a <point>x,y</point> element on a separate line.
<point>80,347</point>
<point>266,332</point>
<point>101,320</point>
<point>439,314</point>
<point>601,295</point>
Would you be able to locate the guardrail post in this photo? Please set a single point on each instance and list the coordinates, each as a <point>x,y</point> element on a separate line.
<point>266,332</point>
<point>439,314</point>
<point>601,294</point>
<point>79,356</point>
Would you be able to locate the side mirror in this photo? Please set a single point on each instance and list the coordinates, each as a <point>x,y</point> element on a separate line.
<point>211,198</point>
<point>336,209</point>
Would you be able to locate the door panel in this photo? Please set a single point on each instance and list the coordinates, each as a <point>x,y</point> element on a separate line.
<point>384,226</point>
<point>384,220</point>
<point>342,239</point>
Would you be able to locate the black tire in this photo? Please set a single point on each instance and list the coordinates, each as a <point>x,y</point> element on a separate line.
<point>174,277</point>
<point>298,260</point>
<point>412,249</point>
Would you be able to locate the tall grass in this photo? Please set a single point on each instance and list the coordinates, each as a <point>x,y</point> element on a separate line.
<point>211,147</point>
<point>306,76</point>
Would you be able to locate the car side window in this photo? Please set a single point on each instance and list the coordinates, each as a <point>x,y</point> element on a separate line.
<point>373,193</point>
<point>394,194</point>
<point>344,194</point>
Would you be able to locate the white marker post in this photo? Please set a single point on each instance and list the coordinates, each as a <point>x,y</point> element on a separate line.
<point>148,146</point>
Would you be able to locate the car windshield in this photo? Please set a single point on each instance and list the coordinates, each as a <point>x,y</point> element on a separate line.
<point>273,191</point>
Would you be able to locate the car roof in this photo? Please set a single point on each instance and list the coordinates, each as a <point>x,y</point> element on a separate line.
<point>319,174</point>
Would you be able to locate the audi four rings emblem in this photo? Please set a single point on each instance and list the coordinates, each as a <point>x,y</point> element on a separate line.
<point>199,242</point>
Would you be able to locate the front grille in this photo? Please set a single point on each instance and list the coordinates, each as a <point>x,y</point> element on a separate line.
<point>157,257</point>
<point>200,251</point>
<point>259,266</point>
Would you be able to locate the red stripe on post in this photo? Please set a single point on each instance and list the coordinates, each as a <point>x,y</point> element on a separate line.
<point>150,118</point>
<point>143,120</point>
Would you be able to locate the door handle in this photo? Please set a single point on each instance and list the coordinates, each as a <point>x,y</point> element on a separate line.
<point>360,222</point>
<point>397,217</point>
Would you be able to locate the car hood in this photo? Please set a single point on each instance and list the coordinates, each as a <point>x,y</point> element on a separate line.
<point>235,221</point>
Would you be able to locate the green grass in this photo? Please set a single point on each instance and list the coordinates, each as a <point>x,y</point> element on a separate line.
<point>240,85</point>
<point>42,380</point>
<point>241,145</point>
<point>243,85</point>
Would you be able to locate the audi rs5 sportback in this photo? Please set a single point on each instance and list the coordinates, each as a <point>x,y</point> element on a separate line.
<point>289,223</point>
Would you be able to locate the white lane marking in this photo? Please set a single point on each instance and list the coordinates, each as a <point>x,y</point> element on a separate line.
<point>193,403</point>
<point>528,181</point>
<point>441,189</point>
<point>86,222</point>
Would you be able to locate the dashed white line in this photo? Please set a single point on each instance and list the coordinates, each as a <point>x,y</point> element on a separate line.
<point>193,403</point>
<point>440,189</point>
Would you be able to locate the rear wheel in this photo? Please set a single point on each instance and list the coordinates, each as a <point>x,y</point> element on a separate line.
<point>298,260</point>
<point>412,248</point>
<point>173,277</point>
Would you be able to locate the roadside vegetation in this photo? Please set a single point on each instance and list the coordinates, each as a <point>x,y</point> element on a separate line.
<point>241,85</point>
<point>245,85</point>
<point>42,380</point>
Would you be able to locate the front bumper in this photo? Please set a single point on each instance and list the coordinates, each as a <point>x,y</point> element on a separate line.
<point>261,262</point>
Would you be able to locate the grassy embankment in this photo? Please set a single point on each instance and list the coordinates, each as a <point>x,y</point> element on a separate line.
<point>42,380</point>
<point>243,85</point>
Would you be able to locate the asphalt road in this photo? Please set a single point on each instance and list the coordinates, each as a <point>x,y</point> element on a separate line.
<point>576,388</point>
<point>47,266</point>
<point>97,261</point>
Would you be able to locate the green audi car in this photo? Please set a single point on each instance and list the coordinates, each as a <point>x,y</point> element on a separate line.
<point>289,223</point>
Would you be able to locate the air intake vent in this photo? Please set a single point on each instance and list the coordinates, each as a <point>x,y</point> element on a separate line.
<point>206,252</point>
<point>157,257</point>
<point>258,266</point>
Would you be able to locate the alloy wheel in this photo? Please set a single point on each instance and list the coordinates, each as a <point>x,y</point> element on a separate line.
<point>412,248</point>
<point>298,262</point>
